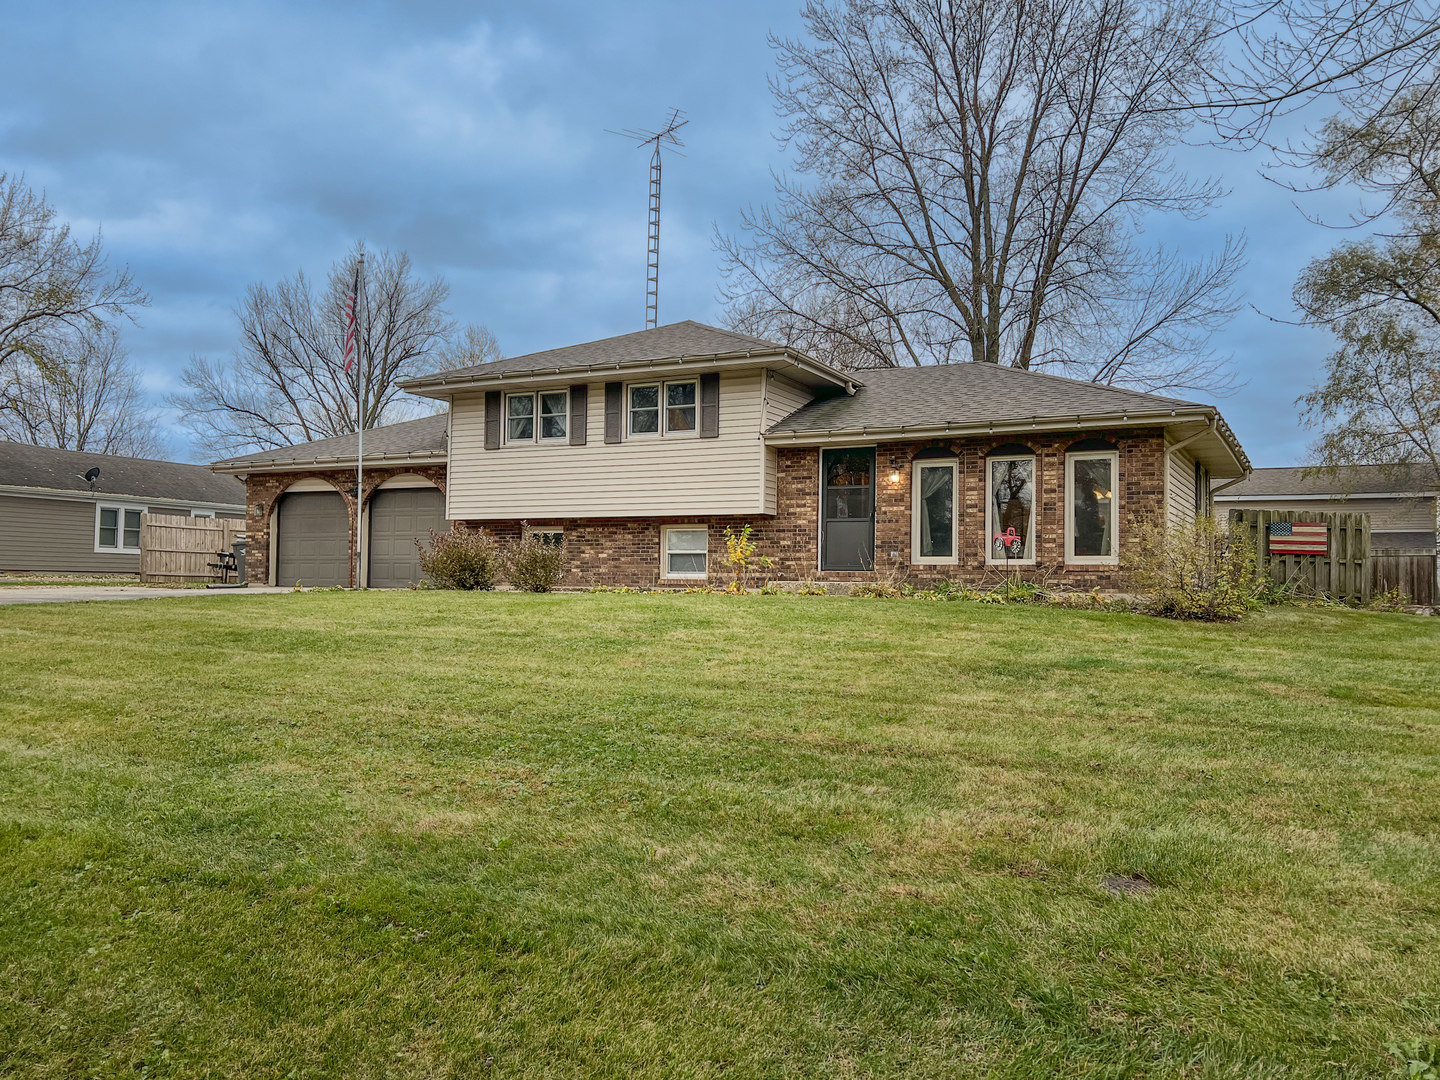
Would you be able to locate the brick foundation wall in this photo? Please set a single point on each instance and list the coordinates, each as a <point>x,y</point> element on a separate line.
<point>263,491</point>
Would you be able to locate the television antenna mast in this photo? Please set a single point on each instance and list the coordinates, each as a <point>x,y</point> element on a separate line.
<point>666,136</point>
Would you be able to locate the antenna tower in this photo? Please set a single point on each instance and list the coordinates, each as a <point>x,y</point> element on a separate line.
<point>666,135</point>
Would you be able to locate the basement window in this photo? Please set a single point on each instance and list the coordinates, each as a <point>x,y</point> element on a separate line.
<point>685,552</point>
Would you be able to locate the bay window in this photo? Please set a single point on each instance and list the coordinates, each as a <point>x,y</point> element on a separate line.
<point>1010,508</point>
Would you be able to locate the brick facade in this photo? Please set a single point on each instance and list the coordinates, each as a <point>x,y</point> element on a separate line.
<point>626,551</point>
<point>263,491</point>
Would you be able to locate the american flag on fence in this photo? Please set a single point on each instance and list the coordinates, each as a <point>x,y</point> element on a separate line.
<point>350,304</point>
<point>1299,538</point>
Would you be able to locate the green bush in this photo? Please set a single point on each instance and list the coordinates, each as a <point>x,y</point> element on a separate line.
<point>533,565</point>
<point>461,559</point>
<point>1194,571</point>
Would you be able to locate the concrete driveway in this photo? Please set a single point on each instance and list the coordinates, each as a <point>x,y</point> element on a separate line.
<point>74,594</point>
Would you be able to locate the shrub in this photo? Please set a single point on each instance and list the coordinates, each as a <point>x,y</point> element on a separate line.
<point>744,564</point>
<point>534,565</point>
<point>461,559</point>
<point>1195,571</point>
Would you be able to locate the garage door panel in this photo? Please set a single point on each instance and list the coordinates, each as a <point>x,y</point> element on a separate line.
<point>398,518</point>
<point>314,542</point>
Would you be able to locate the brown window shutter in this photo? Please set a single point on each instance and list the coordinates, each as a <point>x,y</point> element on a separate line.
<point>492,419</point>
<point>578,414</point>
<point>614,392</point>
<point>710,406</point>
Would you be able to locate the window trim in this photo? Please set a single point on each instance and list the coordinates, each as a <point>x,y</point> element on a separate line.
<point>990,558</point>
<point>1113,559</point>
<point>665,531</point>
<point>120,508</point>
<point>916,466</point>
<point>662,428</point>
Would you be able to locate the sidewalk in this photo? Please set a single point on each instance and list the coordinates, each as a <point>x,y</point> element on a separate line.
<point>72,594</point>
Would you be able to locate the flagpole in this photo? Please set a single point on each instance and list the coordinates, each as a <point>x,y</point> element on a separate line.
<point>359,432</point>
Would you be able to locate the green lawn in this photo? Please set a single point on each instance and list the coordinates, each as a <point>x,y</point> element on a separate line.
<point>431,835</point>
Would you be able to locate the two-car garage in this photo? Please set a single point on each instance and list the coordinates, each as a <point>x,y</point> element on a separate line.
<point>312,543</point>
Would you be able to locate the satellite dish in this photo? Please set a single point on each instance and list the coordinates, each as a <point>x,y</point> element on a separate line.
<point>91,476</point>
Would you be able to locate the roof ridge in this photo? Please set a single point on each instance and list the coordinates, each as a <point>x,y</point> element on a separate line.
<point>1074,382</point>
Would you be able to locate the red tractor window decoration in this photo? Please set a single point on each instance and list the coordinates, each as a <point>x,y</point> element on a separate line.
<point>1009,543</point>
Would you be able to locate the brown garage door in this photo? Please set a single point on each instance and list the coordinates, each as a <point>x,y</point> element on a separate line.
<point>314,545</point>
<point>399,517</point>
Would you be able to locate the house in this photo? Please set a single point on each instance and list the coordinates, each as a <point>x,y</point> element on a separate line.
<point>74,512</point>
<point>640,450</point>
<point>1402,513</point>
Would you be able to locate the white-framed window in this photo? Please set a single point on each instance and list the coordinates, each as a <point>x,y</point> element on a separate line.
<point>202,513</point>
<point>1010,509</point>
<point>542,417</point>
<point>1091,520</point>
<point>685,552</point>
<point>117,528</point>
<point>934,526</point>
<point>550,535</point>
<point>669,408</point>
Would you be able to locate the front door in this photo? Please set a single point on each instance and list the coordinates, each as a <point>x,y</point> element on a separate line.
<point>847,510</point>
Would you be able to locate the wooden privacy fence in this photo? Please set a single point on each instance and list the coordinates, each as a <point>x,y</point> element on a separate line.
<point>176,548</point>
<point>1343,572</point>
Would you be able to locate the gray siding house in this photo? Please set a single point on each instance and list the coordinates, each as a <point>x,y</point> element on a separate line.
<point>53,520</point>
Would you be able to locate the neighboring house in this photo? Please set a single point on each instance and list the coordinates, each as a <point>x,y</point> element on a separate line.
<point>642,449</point>
<point>1402,513</point>
<point>55,520</point>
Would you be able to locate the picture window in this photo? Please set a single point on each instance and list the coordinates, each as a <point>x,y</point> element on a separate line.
<point>1090,533</point>
<point>1010,509</point>
<point>934,524</point>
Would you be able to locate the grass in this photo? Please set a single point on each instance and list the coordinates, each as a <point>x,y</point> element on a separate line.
<point>437,834</point>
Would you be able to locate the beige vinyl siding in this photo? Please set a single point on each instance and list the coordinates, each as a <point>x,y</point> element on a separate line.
<point>783,396</point>
<point>1386,515</point>
<point>1180,488</point>
<point>56,536</point>
<point>648,476</point>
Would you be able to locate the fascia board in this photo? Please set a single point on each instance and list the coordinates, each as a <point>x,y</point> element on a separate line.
<point>444,388</point>
<point>66,495</point>
<point>233,468</point>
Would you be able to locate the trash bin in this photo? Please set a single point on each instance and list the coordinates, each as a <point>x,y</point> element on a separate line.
<point>239,548</point>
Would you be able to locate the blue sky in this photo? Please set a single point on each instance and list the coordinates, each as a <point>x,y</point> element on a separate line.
<point>217,146</point>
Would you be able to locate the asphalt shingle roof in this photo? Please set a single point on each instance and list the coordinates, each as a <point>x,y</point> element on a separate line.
<point>22,465</point>
<point>413,438</point>
<point>965,393</point>
<point>1353,480</point>
<point>663,343</point>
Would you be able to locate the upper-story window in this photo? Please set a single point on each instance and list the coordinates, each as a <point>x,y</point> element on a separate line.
<point>663,408</point>
<point>522,411</point>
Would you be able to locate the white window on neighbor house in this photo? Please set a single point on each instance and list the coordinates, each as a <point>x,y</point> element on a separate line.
<point>684,552</point>
<point>1091,520</point>
<point>1010,509</point>
<point>117,529</point>
<point>934,524</point>
<point>202,513</point>
<point>664,408</point>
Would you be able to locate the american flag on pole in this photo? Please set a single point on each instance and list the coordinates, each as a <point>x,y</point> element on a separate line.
<point>350,304</point>
<point>1299,538</point>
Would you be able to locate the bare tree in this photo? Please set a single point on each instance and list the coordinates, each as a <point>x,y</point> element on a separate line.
<point>980,173</point>
<point>52,287</point>
<point>286,382</point>
<point>474,345</point>
<point>1282,55</point>
<point>85,396</point>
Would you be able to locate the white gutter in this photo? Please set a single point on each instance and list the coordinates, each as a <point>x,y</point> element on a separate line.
<point>70,495</point>
<point>1336,495</point>
<point>243,466</point>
